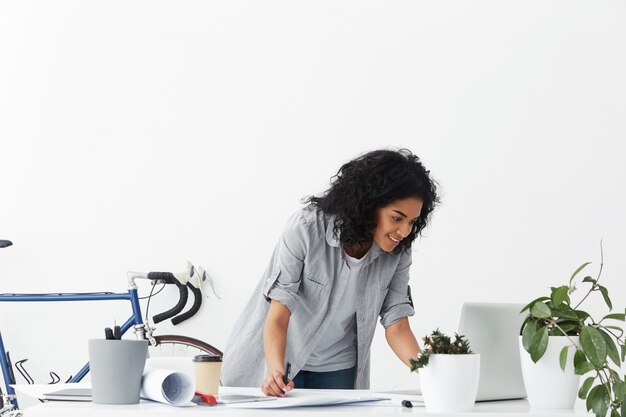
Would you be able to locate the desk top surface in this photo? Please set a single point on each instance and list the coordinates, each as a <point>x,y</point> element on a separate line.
<point>379,409</point>
<point>500,408</point>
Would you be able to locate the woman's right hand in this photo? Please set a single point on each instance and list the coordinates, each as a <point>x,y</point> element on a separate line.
<point>274,345</point>
<point>274,386</point>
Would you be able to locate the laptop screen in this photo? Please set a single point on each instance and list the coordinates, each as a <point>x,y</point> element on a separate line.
<point>493,331</point>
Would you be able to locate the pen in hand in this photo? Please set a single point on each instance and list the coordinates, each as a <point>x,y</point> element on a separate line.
<point>286,375</point>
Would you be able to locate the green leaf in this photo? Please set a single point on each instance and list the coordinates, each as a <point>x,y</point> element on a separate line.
<point>592,394</point>
<point>619,388</point>
<point>529,305</point>
<point>623,347</point>
<point>583,367</point>
<point>527,334</point>
<point>617,316</point>
<point>565,312</point>
<point>579,358</point>
<point>623,411</point>
<point>539,344</point>
<point>559,295</point>
<point>611,349</point>
<point>582,315</point>
<point>589,398</point>
<point>566,327</point>
<point>563,357</point>
<point>589,279</point>
<point>599,400</point>
<point>540,310</point>
<point>580,268</point>
<point>613,373</point>
<point>584,389</point>
<point>604,403</point>
<point>605,294</point>
<point>593,345</point>
<point>615,413</point>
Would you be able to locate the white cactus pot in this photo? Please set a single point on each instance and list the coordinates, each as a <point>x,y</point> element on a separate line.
<point>450,382</point>
<point>547,385</point>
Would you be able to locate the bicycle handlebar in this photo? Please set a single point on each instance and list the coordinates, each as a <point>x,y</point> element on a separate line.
<point>169,278</point>
<point>190,279</point>
<point>197,301</point>
<point>5,243</point>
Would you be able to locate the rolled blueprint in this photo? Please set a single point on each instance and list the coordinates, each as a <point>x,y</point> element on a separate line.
<point>167,386</point>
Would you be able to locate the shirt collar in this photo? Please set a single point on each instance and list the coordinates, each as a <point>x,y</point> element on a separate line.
<point>335,241</point>
<point>331,239</point>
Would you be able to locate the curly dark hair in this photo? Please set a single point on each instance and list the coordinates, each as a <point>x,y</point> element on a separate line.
<point>374,180</point>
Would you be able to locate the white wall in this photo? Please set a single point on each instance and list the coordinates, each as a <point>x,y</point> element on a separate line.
<point>137,135</point>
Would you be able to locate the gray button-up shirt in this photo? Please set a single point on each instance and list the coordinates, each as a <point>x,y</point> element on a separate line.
<point>308,274</point>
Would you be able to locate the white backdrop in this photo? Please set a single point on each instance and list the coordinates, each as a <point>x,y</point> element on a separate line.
<point>138,134</point>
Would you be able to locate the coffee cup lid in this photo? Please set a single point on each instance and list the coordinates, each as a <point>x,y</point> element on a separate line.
<point>207,358</point>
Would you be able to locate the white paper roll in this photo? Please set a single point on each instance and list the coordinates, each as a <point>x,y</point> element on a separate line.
<point>166,386</point>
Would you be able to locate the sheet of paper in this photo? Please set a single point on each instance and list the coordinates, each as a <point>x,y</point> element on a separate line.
<point>304,399</point>
<point>167,386</point>
<point>397,396</point>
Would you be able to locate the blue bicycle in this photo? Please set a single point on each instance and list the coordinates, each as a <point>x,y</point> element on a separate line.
<point>164,345</point>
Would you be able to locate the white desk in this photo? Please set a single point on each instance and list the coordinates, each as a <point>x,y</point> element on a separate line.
<point>515,408</point>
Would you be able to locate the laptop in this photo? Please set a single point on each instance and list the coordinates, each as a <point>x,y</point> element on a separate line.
<point>68,394</point>
<point>493,331</point>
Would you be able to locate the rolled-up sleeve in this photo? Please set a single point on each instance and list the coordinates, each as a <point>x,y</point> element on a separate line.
<point>284,276</point>
<point>397,303</point>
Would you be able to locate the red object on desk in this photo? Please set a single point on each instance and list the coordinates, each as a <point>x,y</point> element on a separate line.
<point>207,398</point>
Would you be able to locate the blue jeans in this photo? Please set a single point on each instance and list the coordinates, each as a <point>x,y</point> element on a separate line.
<point>342,379</point>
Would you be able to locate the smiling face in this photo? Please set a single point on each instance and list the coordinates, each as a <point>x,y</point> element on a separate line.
<point>395,221</point>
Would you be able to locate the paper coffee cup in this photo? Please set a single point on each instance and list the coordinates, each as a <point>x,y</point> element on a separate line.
<point>207,369</point>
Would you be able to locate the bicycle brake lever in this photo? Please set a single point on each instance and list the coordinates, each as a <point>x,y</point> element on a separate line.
<point>196,280</point>
<point>204,277</point>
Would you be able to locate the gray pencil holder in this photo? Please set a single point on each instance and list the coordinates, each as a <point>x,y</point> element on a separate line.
<point>116,370</point>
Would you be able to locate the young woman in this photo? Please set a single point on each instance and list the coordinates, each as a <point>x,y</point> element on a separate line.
<point>341,262</point>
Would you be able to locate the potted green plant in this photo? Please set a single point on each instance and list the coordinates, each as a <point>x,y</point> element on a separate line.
<point>449,373</point>
<point>555,330</point>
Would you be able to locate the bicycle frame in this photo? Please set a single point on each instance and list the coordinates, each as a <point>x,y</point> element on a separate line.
<point>134,320</point>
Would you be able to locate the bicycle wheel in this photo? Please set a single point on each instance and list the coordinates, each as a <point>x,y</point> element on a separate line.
<point>181,346</point>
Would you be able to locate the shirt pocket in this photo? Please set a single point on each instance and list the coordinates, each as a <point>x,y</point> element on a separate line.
<point>315,276</point>
<point>314,297</point>
<point>319,280</point>
<point>315,287</point>
<point>385,283</point>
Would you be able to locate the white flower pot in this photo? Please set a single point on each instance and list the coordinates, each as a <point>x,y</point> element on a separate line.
<point>547,385</point>
<point>450,382</point>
